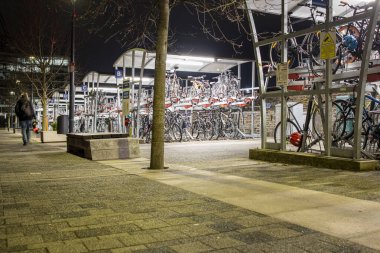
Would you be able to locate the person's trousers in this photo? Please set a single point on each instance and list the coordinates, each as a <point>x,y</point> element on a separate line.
<point>25,130</point>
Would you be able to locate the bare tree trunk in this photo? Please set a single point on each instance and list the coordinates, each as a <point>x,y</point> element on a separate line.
<point>157,147</point>
<point>45,121</point>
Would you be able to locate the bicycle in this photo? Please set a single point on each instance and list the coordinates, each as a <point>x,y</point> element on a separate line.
<point>305,138</point>
<point>173,131</point>
<point>223,125</point>
<point>370,130</point>
<point>172,84</point>
<point>202,127</point>
<point>200,88</point>
<point>353,36</point>
<point>299,52</point>
<point>145,131</point>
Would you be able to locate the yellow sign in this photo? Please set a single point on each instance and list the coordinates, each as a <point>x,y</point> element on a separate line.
<point>328,45</point>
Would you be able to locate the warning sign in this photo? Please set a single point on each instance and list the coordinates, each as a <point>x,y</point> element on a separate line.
<point>328,45</point>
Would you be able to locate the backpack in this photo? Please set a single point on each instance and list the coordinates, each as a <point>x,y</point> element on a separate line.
<point>27,109</point>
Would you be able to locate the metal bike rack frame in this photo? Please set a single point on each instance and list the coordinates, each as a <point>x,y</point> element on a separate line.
<point>327,90</point>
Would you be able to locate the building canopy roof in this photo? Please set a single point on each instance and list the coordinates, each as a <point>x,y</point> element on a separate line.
<point>134,58</point>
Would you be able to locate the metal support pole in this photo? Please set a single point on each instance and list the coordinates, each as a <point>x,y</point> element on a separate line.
<point>123,128</point>
<point>284,59</point>
<point>96,104</point>
<point>139,94</point>
<point>363,78</point>
<point>133,92</point>
<point>239,75</point>
<point>253,101</point>
<point>119,122</point>
<point>72,74</point>
<point>124,74</point>
<point>326,117</point>
<point>260,76</point>
<point>87,105</point>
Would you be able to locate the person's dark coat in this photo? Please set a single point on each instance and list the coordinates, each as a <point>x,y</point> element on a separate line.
<point>24,109</point>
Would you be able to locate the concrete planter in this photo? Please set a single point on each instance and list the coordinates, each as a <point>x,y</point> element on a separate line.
<point>103,146</point>
<point>52,136</point>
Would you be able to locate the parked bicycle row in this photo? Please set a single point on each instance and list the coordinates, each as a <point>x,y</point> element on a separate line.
<point>201,125</point>
<point>310,135</point>
<point>225,85</point>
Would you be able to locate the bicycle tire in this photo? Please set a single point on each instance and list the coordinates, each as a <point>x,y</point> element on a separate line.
<point>215,130</point>
<point>338,124</point>
<point>291,127</point>
<point>313,50</point>
<point>148,135</point>
<point>367,127</point>
<point>195,129</point>
<point>208,130</point>
<point>348,134</point>
<point>176,132</point>
<point>275,55</point>
<point>349,118</point>
<point>229,129</point>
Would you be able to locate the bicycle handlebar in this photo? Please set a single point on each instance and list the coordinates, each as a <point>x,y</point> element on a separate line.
<point>343,3</point>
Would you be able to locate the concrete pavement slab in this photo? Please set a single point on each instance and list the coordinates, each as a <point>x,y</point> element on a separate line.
<point>336,215</point>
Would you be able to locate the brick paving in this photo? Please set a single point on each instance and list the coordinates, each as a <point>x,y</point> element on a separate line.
<point>51,201</point>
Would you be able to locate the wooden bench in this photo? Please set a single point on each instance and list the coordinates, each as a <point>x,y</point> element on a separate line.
<point>103,146</point>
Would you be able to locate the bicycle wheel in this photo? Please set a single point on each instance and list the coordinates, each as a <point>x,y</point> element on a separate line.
<point>367,128</point>
<point>148,135</point>
<point>338,122</point>
<point>229,129</point>
<point>275,54</point>
<point>195,129</point>
<point>176,132</point>
<point>215,130</point>
<point>208,130</point>
<point>313,143</point>
<point>291,128</point>
<point>348,115</point>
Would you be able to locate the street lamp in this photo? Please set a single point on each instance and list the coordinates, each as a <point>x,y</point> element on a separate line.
<point>11,120</point>
<point>72,73</point>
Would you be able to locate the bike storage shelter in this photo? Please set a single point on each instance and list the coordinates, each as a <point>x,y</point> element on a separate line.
<point>325,84</point>
<point>140,59</point>
<point>93,83</point>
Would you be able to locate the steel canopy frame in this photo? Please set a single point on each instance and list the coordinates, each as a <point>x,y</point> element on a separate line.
<point>138,58</point>
<point>327,91</point>
<point>185,63</point>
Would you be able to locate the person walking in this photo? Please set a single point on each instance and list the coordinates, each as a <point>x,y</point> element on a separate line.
<point>25,113</point>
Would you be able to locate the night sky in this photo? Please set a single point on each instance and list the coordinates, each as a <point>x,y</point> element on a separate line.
<point>94,54</point>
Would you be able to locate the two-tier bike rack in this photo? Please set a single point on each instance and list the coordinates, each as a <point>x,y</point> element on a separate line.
<point>325,90</point>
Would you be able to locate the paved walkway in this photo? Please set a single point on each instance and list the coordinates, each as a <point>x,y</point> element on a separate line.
<point>52,201</point>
